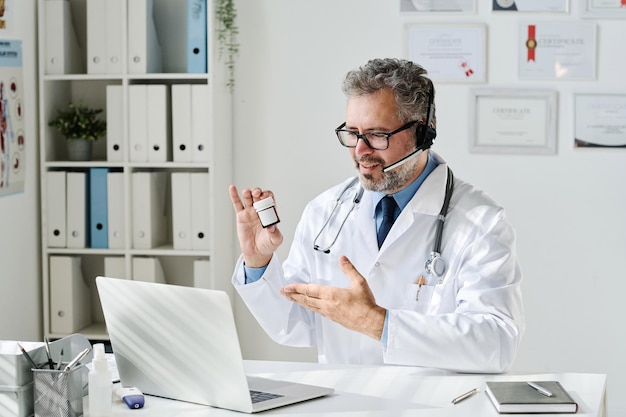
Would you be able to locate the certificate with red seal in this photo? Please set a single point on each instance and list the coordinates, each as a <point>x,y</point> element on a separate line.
<point>557,50</point>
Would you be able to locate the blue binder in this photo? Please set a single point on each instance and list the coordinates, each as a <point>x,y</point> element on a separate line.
<point>98,219</point>
<point>196,36</point>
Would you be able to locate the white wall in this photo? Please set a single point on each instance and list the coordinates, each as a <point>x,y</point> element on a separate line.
<point>567,208</point>
<point>20,282</point>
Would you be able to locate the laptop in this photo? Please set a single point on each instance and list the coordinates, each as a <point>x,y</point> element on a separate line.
<point>181,343</point>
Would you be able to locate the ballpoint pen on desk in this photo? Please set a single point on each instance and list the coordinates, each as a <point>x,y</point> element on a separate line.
<point>540,389</point>
<point>32,362</point>
<point>464,396</point>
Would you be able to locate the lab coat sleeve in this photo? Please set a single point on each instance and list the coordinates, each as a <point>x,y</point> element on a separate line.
<point>285,322</point>
<point>483,332</point>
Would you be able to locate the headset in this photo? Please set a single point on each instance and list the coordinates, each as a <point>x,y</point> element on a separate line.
<point>425,134</point>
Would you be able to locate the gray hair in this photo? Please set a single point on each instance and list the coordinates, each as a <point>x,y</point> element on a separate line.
<point>404,78</point>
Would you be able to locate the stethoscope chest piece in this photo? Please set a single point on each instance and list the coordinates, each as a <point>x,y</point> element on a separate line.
<point>435,265</point>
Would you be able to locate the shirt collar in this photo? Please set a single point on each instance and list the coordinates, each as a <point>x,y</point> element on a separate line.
<point>405,195</point>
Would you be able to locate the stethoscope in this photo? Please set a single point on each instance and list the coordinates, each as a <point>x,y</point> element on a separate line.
<point>435,265</point>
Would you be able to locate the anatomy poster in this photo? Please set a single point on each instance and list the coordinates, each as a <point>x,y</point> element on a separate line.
<point>12,141</point>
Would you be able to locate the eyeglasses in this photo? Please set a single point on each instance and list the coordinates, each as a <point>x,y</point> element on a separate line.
<point>375,140</point>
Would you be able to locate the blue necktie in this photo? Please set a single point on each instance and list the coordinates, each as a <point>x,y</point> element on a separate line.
<point>389,208</point>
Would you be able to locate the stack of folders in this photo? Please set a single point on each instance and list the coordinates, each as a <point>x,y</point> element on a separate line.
<point>519,397</point>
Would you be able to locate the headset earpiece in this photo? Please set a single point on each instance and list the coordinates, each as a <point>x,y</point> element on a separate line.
<point>425,134</point>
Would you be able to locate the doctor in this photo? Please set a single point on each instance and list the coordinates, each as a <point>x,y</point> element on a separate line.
<point>441,289</point>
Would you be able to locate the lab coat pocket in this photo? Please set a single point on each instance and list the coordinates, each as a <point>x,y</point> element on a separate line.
<point>418,298</point>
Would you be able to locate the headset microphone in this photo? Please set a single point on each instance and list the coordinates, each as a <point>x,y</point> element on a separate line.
<point>404,160</point>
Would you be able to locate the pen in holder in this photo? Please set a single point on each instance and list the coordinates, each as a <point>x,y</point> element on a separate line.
<point>58,392</point>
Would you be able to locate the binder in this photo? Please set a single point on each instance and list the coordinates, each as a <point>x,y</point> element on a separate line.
<point>115,210</point>
<point>96,36</point>
<point>148,269</point>
<point>138,122</point>
<point>56,204</point>
<point>196,46</point>
<point>63,53</point>
<point>115,267</point>
<point>144,49</point>
<point>181,210</point>
<point>149,209</point>
<point>202,274</point>
<point>114,35</point>
<point>77,221</point>
<point>200,210</point>
<point>70,296</point>
<point>158,123</point>
<point>200,122</point>
<point>115,123</point>
<point>181,122</point>
<point>98,207</point>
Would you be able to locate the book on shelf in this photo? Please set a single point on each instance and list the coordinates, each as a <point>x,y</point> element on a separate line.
<point>518,397</point>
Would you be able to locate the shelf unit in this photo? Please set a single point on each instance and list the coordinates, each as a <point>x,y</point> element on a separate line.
<point>57,90</point>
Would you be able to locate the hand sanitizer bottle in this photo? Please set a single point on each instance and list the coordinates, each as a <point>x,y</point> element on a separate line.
<point>100,385</point>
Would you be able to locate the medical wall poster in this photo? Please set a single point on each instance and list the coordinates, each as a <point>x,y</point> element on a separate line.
<point>557,51</point>
<point>603,8</point>
<point>513,121</point>
<point>450,53</point>
<point>600,121</point>
<point>558,6</point>
<point>447,6</point>
<point>12,140</point>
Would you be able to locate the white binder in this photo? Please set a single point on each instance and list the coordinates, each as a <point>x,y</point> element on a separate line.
<point>62,50</point>
<point>144,49</point>
<point>200,122</point>
<point>200,210</point>
<point>149,209</point>
<point>96,36</point>
<point>115,267</point>
<point>181,122</point>
<point>148,269</point>
<point>158,123</point>
<point>115,123</point>
<point>202,274</point>
<point>56,206</point>
<point>138,123</point>
<point>70,296</point>
<point>115,18</point>
<point>181,210</point>
<point>77,220</point>
<point>115,210</point>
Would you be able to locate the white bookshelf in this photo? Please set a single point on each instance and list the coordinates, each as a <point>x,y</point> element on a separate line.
<point>57,90</point>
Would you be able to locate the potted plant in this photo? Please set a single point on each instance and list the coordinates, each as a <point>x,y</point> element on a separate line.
<point>81,126</point>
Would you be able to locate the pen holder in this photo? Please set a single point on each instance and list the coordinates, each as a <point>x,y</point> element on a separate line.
<point>58,393</point>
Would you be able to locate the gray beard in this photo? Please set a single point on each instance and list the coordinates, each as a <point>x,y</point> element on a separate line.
<point>391,180</point>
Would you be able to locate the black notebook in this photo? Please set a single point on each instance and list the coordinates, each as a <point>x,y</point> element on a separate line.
<point>511,397</point>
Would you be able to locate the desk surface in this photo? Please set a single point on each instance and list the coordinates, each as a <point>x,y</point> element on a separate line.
<point>379,390</point>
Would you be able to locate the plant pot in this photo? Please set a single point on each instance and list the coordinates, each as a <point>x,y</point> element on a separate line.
<point>79,150</point>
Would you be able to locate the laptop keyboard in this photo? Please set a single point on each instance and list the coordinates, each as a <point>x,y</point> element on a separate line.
<point>258,396</point>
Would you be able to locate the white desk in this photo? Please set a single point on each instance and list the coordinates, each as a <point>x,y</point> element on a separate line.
<point>383,391</point>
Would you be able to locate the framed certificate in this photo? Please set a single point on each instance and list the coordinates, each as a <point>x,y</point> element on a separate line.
<point>600,121</point>
<point>513,121</point>
<point>559,6</point>
<point>447,6</point>
<point>557,51</point>
<point>450,53</point>
<point>615,9</point>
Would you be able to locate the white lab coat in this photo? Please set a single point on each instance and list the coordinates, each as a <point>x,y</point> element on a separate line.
<point>469,321</point>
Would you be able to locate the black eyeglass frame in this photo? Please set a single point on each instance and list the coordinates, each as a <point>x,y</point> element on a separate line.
<point>363,137</point>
